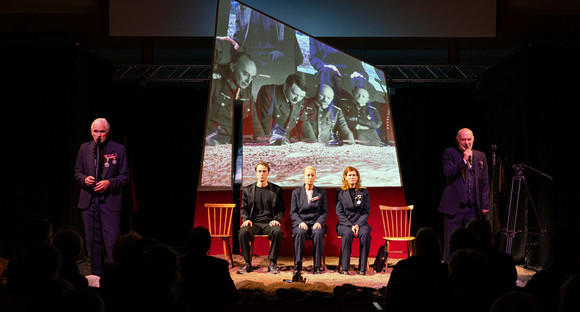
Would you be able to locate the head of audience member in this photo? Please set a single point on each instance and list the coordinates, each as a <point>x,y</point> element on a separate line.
<point>262,172</point>
<point>351,179</point>
<point>294,89</point>
<point>428,245</point>
<point>468,267</point>
<point>243,70</point>
<point>481,229</point>
<point>569,300</point>
<point>159,271</point>
<point>361,96</point>
<point>40,264</point>
<point>516,301</point>
<point>461,238</point>
<point>123,247</point>
<point>87,300</point>
<point>100,130</point>
<point>325,95</point>
<point>70,244</point>
<point>199,241</point>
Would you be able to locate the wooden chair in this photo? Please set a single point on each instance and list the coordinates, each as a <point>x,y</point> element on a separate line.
<point>340,258</point>
<point>219,219</point>
<point>308,238</point>
<point>397,227</point>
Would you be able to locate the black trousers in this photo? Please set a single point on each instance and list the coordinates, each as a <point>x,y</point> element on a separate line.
<point>364,237</point>
<point>317,236</point>
<point>275,235</point>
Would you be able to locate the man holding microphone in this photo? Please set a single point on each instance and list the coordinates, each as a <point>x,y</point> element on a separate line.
<point>466,193</point>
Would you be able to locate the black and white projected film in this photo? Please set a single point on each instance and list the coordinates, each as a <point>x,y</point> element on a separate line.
<point>303,103</point>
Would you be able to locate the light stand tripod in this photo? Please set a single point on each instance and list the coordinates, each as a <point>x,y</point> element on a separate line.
<point>509,230</point>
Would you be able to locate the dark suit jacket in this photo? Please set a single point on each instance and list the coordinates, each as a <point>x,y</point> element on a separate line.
<point>248,202</point>
<point>350,213</point>
<point>301,211</point>
<point>116,172</point>
<point>453,165</point>
<point>274,109</point>
<point>320,124</point>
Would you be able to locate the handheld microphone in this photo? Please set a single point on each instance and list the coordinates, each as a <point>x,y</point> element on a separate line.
<point>469,160</point>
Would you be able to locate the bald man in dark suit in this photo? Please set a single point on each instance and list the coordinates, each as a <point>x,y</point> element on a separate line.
<point>466,193</point>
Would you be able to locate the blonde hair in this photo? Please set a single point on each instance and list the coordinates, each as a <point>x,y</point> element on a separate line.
<point>309,167</point>
<point>345,185</point>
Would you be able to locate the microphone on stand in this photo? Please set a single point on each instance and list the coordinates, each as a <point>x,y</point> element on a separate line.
<point>96,146</point>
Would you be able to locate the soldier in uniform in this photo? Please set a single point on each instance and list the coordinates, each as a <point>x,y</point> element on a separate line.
<point>326,122</point>
<point>282,109</point>
<point>232,82</point>
<point>363,119</point>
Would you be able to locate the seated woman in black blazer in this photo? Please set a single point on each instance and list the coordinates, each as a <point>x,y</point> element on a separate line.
<point>352,209</point>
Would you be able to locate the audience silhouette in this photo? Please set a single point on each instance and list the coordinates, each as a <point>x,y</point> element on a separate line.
<point>149,275</point>
<point>503,275</point>
<point>564,262</point>
<point>206,278</point>
<point>70,244</point>
<point>423,273</point>
<point>516,301</point>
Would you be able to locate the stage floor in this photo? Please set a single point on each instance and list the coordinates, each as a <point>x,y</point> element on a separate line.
<point>260,279</point>
<point>325,282</point>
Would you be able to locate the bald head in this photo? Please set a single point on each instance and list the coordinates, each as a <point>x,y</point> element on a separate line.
<point>325,95</point>
<point>464,139</point>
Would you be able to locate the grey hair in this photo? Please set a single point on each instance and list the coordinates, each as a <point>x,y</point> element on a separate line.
<point>101,120</point>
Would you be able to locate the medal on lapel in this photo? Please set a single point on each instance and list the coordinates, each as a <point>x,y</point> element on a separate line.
<point>112,157</point>
<point>358,199</point>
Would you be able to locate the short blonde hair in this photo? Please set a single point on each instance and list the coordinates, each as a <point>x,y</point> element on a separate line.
<point>309,167</point>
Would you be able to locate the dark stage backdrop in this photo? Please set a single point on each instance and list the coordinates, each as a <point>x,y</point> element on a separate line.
<point>519,106</point>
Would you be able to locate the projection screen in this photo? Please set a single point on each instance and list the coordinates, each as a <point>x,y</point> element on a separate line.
<point>302,102</point>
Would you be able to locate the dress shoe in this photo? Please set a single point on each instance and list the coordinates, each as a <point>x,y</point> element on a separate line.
<point>272,269</point>
<point>246,268</point>
<point>297,268</point>
<point>316,270</point>
<point>362,273</point>
<point>344,272</point>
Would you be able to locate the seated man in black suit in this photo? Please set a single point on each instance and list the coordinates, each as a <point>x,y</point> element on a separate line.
<point>261,212</point>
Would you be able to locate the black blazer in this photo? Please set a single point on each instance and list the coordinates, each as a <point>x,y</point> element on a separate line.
<point>350,213</point>
<point>248,202</point>
<point>301,211</point>
<point>452,170</point>
<point>116,172</point>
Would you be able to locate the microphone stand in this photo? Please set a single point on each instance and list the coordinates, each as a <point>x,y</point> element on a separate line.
<point>95,195</point>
